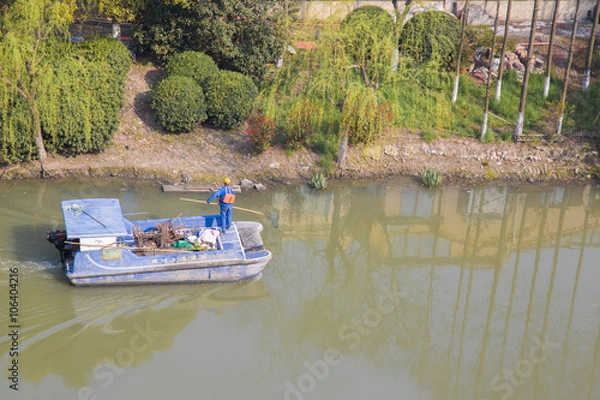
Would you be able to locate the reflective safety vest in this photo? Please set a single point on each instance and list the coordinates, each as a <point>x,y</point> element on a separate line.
<point>229,196</point>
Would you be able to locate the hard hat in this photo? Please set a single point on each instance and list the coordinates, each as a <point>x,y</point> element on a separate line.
<point>226,181</point>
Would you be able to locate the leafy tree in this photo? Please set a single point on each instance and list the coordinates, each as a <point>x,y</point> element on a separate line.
<point>240,35</point>
<point>27,28</point>
<point>430,36</point>
<point>368,34</point>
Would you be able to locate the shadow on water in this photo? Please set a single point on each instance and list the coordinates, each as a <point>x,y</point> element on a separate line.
<point>83,330</point>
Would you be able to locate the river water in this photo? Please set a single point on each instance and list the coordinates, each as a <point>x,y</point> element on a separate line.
<point>381,290</point>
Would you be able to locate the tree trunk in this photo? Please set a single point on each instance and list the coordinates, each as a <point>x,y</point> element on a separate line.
<point>489,78</point>
<point>590,53</point>
<point>521,116</point>
<point>563,96</point>
<point>460,48</point>
<point>550,49</point>
<point>504,44</point>
<point>342,150</point>
<point>39,140</point>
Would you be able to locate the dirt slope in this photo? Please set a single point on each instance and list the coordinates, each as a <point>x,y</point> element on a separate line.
<point>141,149</point>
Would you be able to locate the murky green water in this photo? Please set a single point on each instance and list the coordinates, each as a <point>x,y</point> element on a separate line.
<point>376,290</point>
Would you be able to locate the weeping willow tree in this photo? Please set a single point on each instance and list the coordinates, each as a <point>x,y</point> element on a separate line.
<point>345,89</point>
<point>27,28</point>
<point>431,36</point>
<point>55,96</point>
<point>80,105</point>
<point>368,34</point>
<point>368,37</point>
<point>333,90</point>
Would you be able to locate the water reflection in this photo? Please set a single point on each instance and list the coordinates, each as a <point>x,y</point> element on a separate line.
<point>456,293</point>
<point>489,276</point>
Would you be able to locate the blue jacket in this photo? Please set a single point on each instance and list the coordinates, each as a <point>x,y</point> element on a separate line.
<point>223,190</point>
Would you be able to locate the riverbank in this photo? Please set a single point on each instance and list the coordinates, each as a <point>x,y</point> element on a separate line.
<point>141,150</point>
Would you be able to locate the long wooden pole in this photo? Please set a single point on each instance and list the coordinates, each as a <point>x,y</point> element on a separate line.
<point>236,207</point>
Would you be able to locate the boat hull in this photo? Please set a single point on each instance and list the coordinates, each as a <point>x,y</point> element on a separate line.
<point>229,273</point>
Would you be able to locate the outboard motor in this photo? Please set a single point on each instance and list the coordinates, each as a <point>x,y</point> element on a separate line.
<point>58,238</point>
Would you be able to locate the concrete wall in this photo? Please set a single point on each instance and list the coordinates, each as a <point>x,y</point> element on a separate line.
<point>522,10</point>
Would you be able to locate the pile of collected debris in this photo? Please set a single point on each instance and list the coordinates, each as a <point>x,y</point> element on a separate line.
<point>480,68</point>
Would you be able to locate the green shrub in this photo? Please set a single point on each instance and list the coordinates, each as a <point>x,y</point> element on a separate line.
<point>16,136</point>
<point>193,64</point>
<point>300,122</point>
<point>260,131</point>
<point>113,51</point>
<point>363,116</point>
<point>230,97</point>
<point>430,36</point>
<point>429,135</point>
<point>79,97</point>
<point>179,104</point>
<point>479,35</point>
<point>583,113</point>
<point>365,26</point>
<point>80,104</point>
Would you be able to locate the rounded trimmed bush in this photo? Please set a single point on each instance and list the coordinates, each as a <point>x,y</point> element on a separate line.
<point>193,64</point>
<point>178,102</point>
<point>230,98</point>
<point>365,28</point>
<point>430,35</point>
<point>113,51</point>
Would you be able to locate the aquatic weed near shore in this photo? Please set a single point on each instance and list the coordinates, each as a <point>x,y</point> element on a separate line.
<point>431,178</point>
<point>318,181</point>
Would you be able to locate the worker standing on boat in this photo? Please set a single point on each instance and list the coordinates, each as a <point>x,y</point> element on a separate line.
<point>226,198</point>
